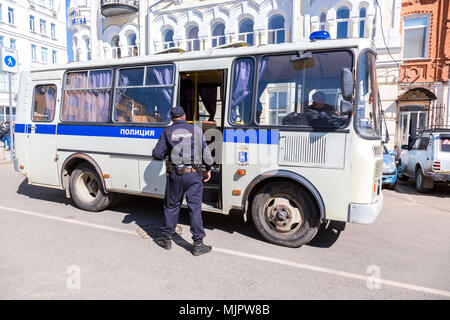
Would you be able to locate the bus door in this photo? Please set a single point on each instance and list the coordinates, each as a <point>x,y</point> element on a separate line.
<point>41,133</point>
<point>202,96</point>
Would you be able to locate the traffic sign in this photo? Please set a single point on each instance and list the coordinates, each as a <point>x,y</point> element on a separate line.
<point>9,60</point>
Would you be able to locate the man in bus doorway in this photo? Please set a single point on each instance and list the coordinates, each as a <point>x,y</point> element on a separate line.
<point>184,147</point>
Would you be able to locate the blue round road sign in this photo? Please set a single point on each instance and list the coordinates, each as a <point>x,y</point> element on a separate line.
<point>10,61</point>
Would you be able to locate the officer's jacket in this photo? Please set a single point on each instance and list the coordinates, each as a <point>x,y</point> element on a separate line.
<point>183,143</point>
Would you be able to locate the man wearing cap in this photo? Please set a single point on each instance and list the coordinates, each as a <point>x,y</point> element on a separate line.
<point>319,109</point>
<point>186,149</point>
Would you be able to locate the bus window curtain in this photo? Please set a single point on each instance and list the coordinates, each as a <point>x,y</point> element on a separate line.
<point>209,99</point>
<point>242,88</point>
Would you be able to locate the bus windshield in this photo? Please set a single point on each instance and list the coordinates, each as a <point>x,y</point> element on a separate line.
<point>367,113</point>
<point>301,92</point>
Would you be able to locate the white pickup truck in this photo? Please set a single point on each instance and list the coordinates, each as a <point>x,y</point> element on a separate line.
<point>426,159</point>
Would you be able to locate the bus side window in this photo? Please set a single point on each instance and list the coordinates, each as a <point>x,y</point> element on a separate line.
<point>44,102</point>
<point>242,91</point>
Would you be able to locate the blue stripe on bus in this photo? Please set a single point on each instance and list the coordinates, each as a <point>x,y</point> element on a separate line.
<point>110,131</point>
<point>45,129</point>
<point>19,128</point>
<point>255,136</point>
<point>261,136</point>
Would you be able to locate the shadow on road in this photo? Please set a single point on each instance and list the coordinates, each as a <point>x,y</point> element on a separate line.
<point>409,187</point>
<point>147,214</point>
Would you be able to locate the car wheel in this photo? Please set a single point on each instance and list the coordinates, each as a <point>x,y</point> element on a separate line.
<point>285,214</point>
<point>423,183</point>
<point>87,191</point>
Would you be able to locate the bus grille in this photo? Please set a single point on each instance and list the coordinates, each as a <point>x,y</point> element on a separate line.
<point>303,149</point>
<point>378,169</point>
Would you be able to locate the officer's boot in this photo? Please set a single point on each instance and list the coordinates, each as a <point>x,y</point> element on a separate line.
<point>165,242</point>
<point>200,248</point>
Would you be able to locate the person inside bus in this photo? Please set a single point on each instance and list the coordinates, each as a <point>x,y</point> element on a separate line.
<point>319,109</point>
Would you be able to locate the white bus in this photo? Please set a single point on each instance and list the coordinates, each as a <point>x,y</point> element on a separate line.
<point>89,128</point>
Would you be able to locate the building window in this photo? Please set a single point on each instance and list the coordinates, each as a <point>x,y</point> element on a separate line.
<point>1,12</point>
<point>1,41</point>
<point>218,34</point>
<point>43,26</point>
<point>53,30</point>
<point>415,37</point>
<point>246,31</point>
<point>12,44</point>
<point>323,21</point>
<point>54,57</point>
<point>11,15</point>
<point>132,47</point>
<point>42,2</point>
<point>33,52</point>
<point>115,46</point>
<point>168,39</point>
<point>276,33</point>
<point>32,24</point>
<point>193,43</point>
<point>362,22</point>
<point>44,55</point>
<point>342,18</point>
<point>88,48</point>
<point>51,4</point>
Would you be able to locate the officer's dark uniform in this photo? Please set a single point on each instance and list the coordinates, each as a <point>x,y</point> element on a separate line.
<point>184,144</point>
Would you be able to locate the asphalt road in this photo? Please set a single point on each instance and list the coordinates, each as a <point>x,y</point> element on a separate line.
<point>51,250</point>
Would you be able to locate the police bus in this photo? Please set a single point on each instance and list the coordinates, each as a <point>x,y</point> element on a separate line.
<point>89,128</point>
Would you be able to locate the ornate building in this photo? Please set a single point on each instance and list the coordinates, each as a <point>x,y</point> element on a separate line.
<point>424,74</point>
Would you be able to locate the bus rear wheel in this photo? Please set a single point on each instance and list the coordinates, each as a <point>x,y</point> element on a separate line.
<point>86,189</point>
<point>284,214</point>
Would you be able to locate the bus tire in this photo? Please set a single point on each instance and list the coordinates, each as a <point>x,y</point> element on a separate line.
<point>285,214</point>
<point>86,189</point>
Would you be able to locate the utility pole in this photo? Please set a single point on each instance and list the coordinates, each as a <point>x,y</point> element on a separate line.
<point>9,65</point>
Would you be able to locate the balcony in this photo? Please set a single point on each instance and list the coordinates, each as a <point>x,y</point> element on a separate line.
<point>121,52</point>
<point>117,7</point>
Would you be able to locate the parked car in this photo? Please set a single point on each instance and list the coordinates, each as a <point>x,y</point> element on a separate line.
<point>426,159</point>
<point>389,179</point>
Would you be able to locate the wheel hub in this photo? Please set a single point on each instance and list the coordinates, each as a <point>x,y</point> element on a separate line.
<point>282,215</point>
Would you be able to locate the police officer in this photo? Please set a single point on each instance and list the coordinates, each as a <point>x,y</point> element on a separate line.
<point>183,144</point>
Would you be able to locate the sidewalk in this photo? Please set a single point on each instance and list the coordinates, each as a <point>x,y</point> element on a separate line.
<point>4,156</point>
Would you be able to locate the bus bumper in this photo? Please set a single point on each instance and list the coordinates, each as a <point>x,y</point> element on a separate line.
<point>365,213</point>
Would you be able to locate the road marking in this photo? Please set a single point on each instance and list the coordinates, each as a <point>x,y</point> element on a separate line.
<point>252,256</point>
<point>87,224</point>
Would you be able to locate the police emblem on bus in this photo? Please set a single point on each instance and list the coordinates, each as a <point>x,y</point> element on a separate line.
<point>242,156</point>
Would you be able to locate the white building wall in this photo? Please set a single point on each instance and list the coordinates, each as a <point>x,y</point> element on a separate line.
<point>24,37</point>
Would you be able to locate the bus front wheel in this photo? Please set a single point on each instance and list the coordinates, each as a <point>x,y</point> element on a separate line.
<point>86,189</point>
<point>285,214</point>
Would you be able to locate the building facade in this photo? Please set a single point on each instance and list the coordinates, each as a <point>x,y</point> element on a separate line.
<point>121,28</point>
<point>37,30</point>
<point>423,99</point>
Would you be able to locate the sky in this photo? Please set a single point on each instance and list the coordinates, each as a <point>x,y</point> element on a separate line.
<point>69,36</point>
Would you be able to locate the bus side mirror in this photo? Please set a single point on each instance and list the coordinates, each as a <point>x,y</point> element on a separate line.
<point>346,84</point>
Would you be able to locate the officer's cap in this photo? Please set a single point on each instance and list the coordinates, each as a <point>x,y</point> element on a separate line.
<point>177,112</point>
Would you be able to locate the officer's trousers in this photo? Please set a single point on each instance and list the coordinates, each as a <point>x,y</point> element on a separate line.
<point>191,185</point>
